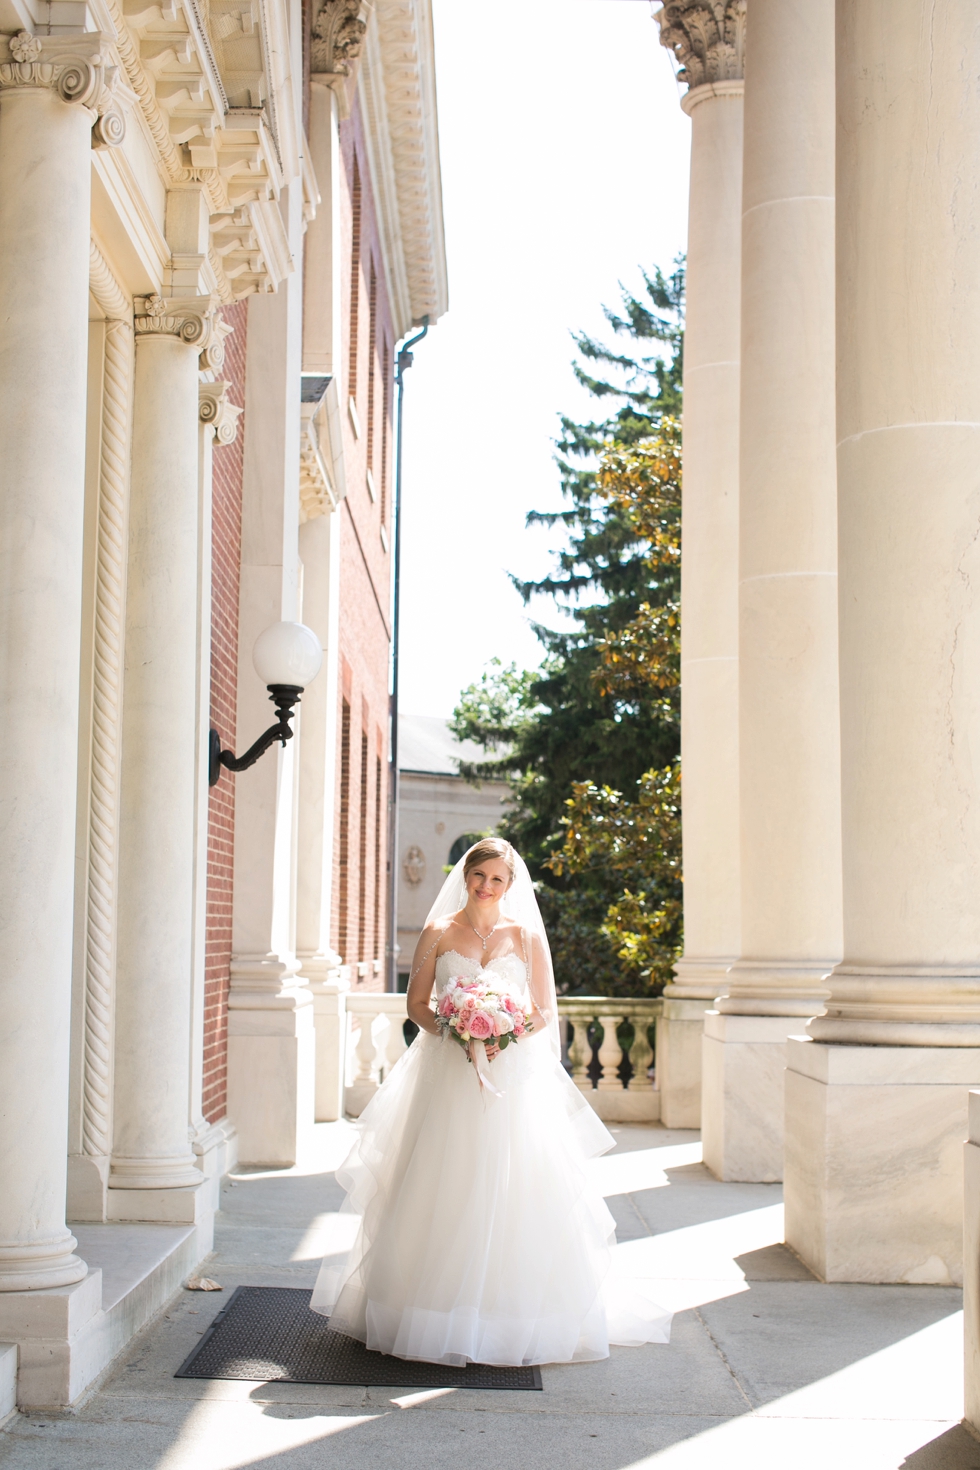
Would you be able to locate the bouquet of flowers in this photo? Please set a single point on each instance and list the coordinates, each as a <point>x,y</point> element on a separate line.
<point>471,1010</point>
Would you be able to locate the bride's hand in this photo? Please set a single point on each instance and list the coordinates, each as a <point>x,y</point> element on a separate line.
<point>492,1050</point>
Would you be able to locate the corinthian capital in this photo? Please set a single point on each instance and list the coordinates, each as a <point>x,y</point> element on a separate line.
<point>338,32</point>
<point>707,37</point>
<point>214,409</point>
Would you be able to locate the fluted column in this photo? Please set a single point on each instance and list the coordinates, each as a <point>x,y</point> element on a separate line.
<point>708,39</point>
<point>50,91</point>
<point>160,767</point>
<point>789,764</point>
<point>876,1103</point>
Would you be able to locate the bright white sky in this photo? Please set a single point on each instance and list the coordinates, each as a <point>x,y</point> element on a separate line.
<point>564,168</point>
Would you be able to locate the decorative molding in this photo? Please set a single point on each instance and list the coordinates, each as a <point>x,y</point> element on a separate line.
<point>215,411</point>
<point>339,28</point>
<point>180,82</point>
<point>191,320</point>
<point>707,37</point>
<point>113,299</point>
<point>74,67</point>
<point>397,84</point>
<point>317,493</point>
<point>103,837</point>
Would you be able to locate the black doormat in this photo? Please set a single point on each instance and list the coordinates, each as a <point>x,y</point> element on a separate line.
<point>269,1334</point>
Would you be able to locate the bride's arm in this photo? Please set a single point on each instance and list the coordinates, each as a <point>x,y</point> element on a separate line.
<point>422,981</point>
<point>539,984</point>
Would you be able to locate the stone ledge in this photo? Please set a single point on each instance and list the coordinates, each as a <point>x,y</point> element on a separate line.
<point>751,1030</point>
<point>873,1066</point>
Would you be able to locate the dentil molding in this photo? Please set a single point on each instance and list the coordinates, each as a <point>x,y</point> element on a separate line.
<point>74,67</point>
<point>707,37</point>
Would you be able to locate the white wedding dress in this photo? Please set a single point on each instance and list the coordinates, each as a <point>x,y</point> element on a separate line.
<point>481,1238</point>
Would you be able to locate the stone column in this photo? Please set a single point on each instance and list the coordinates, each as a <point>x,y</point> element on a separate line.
<point>153,1171</point>
<point>789,754</point>
<point>320,555</point>
<point>321,965</point>
<point>49,91</point>
<point>708,39</point>
<point>270,1012</point>
<point>877,1100</point>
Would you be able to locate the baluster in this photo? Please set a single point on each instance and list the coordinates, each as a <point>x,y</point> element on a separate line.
<point>641,1054</point>
<point>394,1042</point>
<point>366,1051</point>
<point>610,1055</point>
<point>579,1054</point>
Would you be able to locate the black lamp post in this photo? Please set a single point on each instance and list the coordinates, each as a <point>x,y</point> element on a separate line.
<point>287,657</point>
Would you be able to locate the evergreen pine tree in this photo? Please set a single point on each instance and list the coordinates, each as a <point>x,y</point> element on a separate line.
<point>564,723</point>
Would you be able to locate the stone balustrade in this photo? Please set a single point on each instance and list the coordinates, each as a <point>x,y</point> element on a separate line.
<point>610,1049</point>
<point>379,1043</point>
<point>608,1046</point>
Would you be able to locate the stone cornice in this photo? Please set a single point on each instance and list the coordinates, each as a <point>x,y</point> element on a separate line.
<point>707,37</point>
<point>215,410</point>
<point>397,83</point>
<point>190,81</point>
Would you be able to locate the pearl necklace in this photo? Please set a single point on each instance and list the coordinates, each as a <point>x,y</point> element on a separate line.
<point>479,936</point>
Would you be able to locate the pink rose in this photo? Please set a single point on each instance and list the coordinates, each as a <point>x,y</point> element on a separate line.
<point>446,1006</point>
<point>480,1026</point>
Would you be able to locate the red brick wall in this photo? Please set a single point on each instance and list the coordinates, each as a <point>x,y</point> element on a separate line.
<point>226,543</point>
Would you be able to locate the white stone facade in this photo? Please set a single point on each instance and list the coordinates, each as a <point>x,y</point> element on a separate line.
<point>436,809</point>
<point>830,614</point>
<point>159,165</point>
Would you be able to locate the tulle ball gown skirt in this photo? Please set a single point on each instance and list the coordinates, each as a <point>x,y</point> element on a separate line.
<point>481,1237</point>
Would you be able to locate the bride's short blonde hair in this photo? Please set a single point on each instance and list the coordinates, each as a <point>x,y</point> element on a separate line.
<point>488,849</point>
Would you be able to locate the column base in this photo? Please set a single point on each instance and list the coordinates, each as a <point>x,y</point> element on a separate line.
<point>88,1182</point>
<point>49,1265</point>
<point>971,1264</point>
<point>189,1205</point>
<point>874,1176</point>
<point>66,1337</point>
<point>743,1059</point>
<point>271,1066</point>
<point>216,1154</point>
<point>679,1042</point>
<point>328,989</point>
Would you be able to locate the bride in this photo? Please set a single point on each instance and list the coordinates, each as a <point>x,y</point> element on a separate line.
<point>481,1238</point>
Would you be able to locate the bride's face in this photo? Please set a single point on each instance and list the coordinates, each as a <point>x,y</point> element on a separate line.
<point>488,882</point>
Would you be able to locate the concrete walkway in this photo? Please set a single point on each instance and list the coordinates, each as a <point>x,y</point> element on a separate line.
<point>766,1367</point>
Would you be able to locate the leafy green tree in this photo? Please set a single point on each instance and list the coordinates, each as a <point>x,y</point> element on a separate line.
<point>591,713</point>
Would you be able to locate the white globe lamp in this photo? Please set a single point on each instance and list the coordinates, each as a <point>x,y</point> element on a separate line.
<point>287,657</point>
<point>287,654</point>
